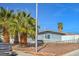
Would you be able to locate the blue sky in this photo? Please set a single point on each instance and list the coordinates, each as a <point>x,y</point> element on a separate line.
<point>50,14</point>
<point>29,7</point>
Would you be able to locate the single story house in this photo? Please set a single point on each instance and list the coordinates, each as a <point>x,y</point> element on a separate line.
<point>51,36</point>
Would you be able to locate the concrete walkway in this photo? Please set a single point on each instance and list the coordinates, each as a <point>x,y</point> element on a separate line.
<point>73,53</point>
<point>20,53</point>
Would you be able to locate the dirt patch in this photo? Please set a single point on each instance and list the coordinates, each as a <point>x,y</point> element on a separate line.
<point>59,48</point>
<point>51,49</point>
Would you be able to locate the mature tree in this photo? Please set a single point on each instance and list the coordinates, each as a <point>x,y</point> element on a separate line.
<point>25,25</point>
<point>19,23</point>
<point>60,26</point>
<point>27,28</point>
<point>4,17</point>
<point>32,28</point>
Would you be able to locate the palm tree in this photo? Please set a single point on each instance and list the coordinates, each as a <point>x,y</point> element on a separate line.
<point>27,29</point>
<point>25,25</point>
<point>60,26</point>
<point>32,28</point>
<point>20,23</point>
<point>12,27</point>
<point>4,16</point>
<point>22,29</point>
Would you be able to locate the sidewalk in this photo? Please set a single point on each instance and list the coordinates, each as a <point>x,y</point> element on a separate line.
<point>20,53</point>
<point>73,53</point>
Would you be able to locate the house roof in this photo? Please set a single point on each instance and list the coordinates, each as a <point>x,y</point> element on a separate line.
<point>53,32</point>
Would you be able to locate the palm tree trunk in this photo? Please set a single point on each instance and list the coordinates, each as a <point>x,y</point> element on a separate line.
<point>5,35</point>
<point>10,37</point>
<point>59,29</point>
<point>19,37</point>
<point>23,39</point>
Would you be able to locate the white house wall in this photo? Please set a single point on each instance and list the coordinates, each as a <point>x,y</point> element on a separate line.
<point>68,37</point>
<point>71,38</point>
<point>53,37</point>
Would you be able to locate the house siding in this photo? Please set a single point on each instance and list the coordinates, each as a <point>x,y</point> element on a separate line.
<point>53,37</point>
<point>70,38</point>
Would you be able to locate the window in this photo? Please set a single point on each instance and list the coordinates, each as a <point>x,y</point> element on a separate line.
<point>47,36</point>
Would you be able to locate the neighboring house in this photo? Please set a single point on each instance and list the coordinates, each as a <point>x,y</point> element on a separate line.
<point>71,38</point>
<point>51,36</point>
